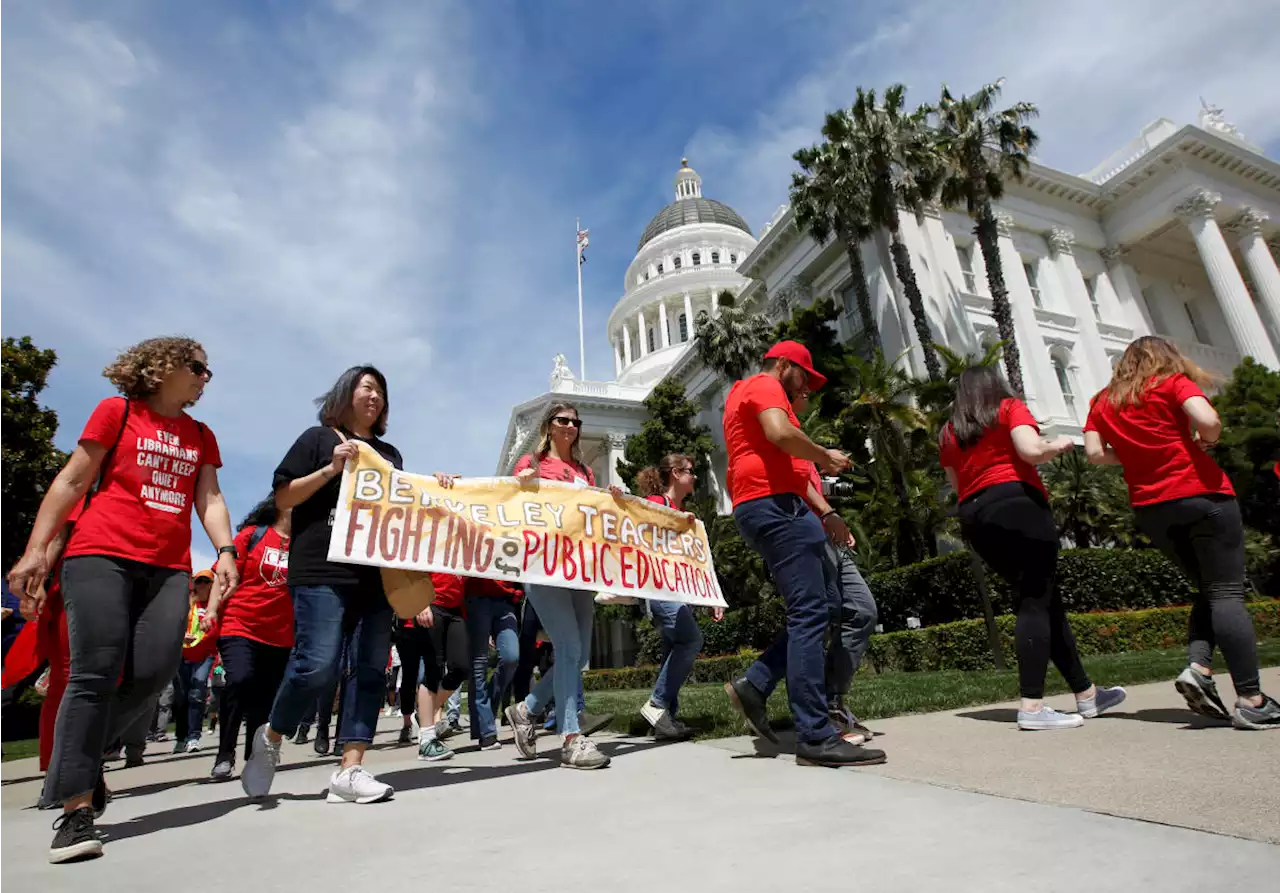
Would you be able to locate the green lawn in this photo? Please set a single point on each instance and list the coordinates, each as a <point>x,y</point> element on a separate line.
<point>873,696</point>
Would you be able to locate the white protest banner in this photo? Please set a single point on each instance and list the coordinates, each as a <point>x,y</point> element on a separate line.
<point>541,532</point>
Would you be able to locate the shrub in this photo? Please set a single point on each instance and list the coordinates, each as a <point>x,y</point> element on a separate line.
<point>962,645</point>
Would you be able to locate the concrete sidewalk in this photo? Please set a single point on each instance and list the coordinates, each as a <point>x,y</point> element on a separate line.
<point>682,817</point>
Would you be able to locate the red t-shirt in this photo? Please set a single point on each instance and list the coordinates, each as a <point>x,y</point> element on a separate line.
<point>1153,442</point>
<point>260,608</point>
<point>202,644</point>
<point>816,479</point>
<point>142,512</point>
<point>660,499</point>
<point>494,588</point>
<point>993,459</point>
<point>553,469</point>
<point>450,588</point>
<point>757,468</point>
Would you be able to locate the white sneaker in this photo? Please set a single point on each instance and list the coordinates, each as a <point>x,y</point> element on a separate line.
<point>581,753</point>
<point>193,746</point>
<point>357,785</point>
<point>260,770</point>
<point>1048,719</point>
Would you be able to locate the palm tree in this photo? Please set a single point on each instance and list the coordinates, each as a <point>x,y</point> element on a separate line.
<point>734,341</point>
<point>981,147</point>
<point>888,143</point>
<point>830,197</point>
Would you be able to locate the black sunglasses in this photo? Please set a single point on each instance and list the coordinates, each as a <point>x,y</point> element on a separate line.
<point>564,421</point>
<point>199,369</point>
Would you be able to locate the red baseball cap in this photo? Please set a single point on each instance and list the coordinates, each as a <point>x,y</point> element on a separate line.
<point>798,354</point>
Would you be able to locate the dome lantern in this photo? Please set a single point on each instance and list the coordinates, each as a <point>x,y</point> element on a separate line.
<point>688,183</point>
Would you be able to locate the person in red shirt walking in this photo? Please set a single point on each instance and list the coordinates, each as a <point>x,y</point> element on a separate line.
<point>191,684</point>
<point>126,567</point>
<point>768,479</point>
<point>1154,421</point>
<point>452,662</point>
<point>989,449</point>
<point>255,630</point>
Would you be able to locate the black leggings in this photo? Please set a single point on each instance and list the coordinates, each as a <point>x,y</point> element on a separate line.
<point>254,671</point>
<point>124,626</point>
<point>417,652</point>
<point>1012,528</point>
<point>449,637</point>
<point>1204,536</point>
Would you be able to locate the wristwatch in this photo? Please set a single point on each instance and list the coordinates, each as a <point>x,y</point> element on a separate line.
<point>230,550</point>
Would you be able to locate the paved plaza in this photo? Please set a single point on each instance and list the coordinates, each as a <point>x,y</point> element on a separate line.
<point>1150,798</point>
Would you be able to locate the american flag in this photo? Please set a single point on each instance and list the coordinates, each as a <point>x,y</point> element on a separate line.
<point>583,242</point>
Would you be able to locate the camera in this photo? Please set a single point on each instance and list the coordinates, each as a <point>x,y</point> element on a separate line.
<point>836,489</point>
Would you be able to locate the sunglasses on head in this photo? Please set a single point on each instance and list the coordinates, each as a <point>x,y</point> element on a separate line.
<point>564,421</point>
<point>199,369</point>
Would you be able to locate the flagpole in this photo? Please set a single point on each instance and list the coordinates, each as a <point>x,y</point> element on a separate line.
<point>582,350</point>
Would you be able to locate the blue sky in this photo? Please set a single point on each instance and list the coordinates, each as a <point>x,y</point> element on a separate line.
<point>306,186</point>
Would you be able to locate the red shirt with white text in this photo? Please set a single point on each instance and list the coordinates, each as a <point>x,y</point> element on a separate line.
<point>1152,439</point>
<point>260,608</point>
<point>142,512</point>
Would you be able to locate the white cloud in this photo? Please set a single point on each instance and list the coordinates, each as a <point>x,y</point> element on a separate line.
<point>1098,71</point>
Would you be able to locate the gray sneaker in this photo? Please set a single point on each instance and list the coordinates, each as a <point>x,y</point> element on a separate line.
<point>1047,719</point>
<point>433,751</point>
<point>223,769</point>
<point>1201,694</point>
<point>1257,719</point>
<point>260,769</point>
<point>581,753</point>
<point>526,737</point>
<point>1103,700</point>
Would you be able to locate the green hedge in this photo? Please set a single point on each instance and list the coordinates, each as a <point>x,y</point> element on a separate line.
<point>943,590</point>
<point>962,645</point>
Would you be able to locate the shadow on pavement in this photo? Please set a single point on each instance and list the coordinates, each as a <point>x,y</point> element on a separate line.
<point>1173,716</point>
<point>995,714</point>
<point>186,816</point>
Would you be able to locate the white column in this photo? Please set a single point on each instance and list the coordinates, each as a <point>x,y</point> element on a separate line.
<point>1262,266</point>
<point>644,335</point>
<point>945,265</point>
<point>1038,378</point>
<point>1092,358</point>
<point>662,325</point>
<point>688,315</point>
<point>715,303</point>
<point>1242,317</point>
<point>617,358</point>
<point>626,344</point>
<point>1122,279</point>
<point>616,445</point>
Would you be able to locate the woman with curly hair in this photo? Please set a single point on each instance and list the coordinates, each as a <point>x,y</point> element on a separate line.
<point>342,621</point>
<point>141,465</point>
<point>255,630</point>
<point>1154,421</point>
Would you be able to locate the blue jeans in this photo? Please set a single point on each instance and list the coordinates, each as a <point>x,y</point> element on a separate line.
<point>854,619</point>
<point>489,615</point>
<point>190,691</point>
<point>683,638</point>
<point>337,630</point>
<point>792,542</point>
<point>566,615</point>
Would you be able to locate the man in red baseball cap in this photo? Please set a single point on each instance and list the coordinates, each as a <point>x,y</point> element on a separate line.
<point>769,461</point>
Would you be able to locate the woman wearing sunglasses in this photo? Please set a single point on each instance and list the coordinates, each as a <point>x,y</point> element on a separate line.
<point>126,566</point>
<point>566,614</point>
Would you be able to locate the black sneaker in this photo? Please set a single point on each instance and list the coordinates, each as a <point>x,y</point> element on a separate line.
<point>748,701</point>
<point>133,760</point>
<point>75,838</point>
<point>406,736</point>
<point>490,742</point>
<point>101,796</point>
<point>321,744</point>
<point>1257,719</point>
<point>837,752</point>
<point>303,735</point>
<point>1201,694</point>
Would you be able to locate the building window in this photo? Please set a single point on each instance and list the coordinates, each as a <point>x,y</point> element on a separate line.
<point>1091,286</point>
<point>715,257</point>
<point>659,269</point>
<point>651,347</point>
<point>1064,384</point>
<point>733,258</point>
<point>966,267</point>
<point>684,328</point>
<point>697,259</point>
<point>849,298</point>
<point>675,263</point>
<point>1029,268</point>
<point>1196,330</point>
<point>646,275</point>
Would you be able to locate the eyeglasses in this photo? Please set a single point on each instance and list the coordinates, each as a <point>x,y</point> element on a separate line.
<point>564,421</point>
<point>199,369</point>
<point>684,471</point>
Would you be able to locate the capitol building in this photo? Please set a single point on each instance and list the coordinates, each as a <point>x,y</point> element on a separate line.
<point>1174,234</point>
